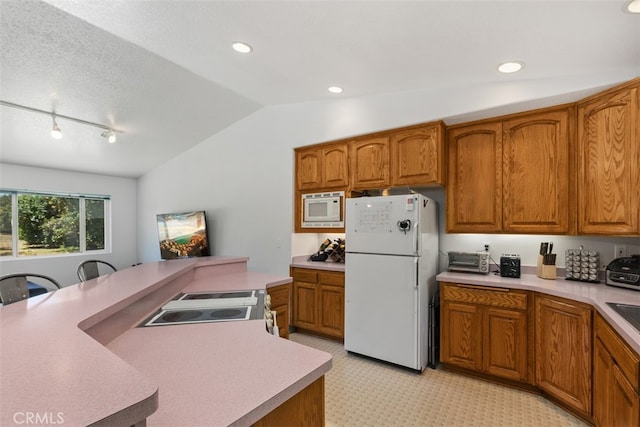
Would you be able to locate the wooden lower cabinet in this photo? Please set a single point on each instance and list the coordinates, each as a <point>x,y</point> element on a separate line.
<point>304,409</point>
<point>542,343</point>
<point>280,303</point>
<point>616,389</point>
<point>485,329</point>
<point>563,351</point>
<point>318,301</point>
<point>505,343</point>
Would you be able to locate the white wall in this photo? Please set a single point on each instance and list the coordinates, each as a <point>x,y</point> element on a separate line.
<point>243,176</point>
<point>123,216</point>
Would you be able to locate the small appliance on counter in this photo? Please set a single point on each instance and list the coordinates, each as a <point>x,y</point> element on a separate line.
<point>469,262</point>
<point>582,265</point>
<point>510,265</point>
<point>624,272</point>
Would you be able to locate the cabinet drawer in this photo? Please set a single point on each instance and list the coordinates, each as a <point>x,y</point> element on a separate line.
<point>625,358</point>
<point>496,297</point>
<point>303,275</point>
<point>279,295</point>
<point>331,278</point>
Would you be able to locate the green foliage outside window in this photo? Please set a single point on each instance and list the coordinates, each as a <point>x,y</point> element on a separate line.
<point>49,221</point>
<point>94,224</point>
<point>51,224</point>
<point>6,244</point>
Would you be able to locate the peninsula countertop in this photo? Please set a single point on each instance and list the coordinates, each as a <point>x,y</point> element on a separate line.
<point>595,294</point>
<point>75,355</point>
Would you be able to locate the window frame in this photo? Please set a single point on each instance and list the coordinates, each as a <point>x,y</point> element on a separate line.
<point>82,223</point>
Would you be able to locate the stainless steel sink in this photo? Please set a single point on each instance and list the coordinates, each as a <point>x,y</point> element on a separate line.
<point>630,313</point>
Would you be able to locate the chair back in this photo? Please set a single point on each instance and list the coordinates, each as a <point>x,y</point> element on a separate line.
<point>15,287</point>
<point>89,269</point>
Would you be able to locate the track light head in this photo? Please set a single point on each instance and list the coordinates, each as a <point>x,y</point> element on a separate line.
<point>110,135</point>
<point>56,133</point>
<point>109,132</point>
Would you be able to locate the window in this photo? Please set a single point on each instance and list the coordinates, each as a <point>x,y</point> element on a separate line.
<point>52,224</point>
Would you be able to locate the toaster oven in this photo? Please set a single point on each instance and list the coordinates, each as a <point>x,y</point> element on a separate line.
<point>469,262</point>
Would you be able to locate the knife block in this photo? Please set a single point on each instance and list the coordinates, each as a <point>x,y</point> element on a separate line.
<point>546,271</point>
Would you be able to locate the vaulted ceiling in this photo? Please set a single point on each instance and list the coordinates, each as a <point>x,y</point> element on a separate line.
<point>164,71</point>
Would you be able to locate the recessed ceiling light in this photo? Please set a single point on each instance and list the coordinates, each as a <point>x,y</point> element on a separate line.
<point>335,89</point>
<point>241,47</point>
<point>510,67</point>
<point>634,6</point>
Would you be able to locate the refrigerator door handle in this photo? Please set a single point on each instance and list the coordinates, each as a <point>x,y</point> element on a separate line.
<point>417,270</point>
<point>416,235</point>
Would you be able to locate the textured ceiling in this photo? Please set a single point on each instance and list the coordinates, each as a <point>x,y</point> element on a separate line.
<point>164,72</point>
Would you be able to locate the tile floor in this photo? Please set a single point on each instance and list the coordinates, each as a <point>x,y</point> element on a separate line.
<point>364,392</point>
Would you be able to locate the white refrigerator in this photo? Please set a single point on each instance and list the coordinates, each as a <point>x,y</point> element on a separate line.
<point>390,270</point>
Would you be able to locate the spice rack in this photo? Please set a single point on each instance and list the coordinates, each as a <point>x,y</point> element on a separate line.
<point>582,265</point>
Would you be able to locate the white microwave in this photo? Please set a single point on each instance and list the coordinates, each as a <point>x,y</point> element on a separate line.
<point>323,210</point>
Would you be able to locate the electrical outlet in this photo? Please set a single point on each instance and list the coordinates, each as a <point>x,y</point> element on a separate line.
<point>486,247</point>
<point>619,251</point>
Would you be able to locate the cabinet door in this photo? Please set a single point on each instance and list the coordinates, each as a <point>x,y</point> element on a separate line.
<point>369,163</point>
<point>417,156</point>
<point>505,343</point>
<point>305,305</point>
<point>602,385</point>
<point>537,173</point>
<point>308,169</point>
<point>563,351</point>
<point>609,163</point>
<point>331,303</point>
<point>280,304</point>
<point>335,166</point>
<point>625,410</point>
<point>461,335</point>
<point>331,316</point>
<point>474,184</point>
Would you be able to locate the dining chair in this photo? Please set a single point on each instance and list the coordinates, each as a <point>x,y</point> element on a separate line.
<point>92,268</point>
<point>16,287</point>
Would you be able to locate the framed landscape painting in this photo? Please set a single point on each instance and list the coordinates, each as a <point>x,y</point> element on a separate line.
<point>183,235</point>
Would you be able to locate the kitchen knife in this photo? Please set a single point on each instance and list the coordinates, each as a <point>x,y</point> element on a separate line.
<point>544,246</point>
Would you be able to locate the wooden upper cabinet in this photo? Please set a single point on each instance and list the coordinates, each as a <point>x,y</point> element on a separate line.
<point>322,167</point>
<point>335,165</point>
<point>308,172</point>
<point>417,156</point>
<point>474,184</point>
<point>609,162</point>
<point>536,173</point>
<point>369,159</point>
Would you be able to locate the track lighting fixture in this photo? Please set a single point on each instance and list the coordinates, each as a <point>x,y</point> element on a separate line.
<point>110,135</point>
<point>56,132</point>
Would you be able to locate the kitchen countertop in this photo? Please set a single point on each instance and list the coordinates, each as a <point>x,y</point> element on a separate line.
<point>595,294</point>
<point>303,262</point>
<point>72,355</point>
